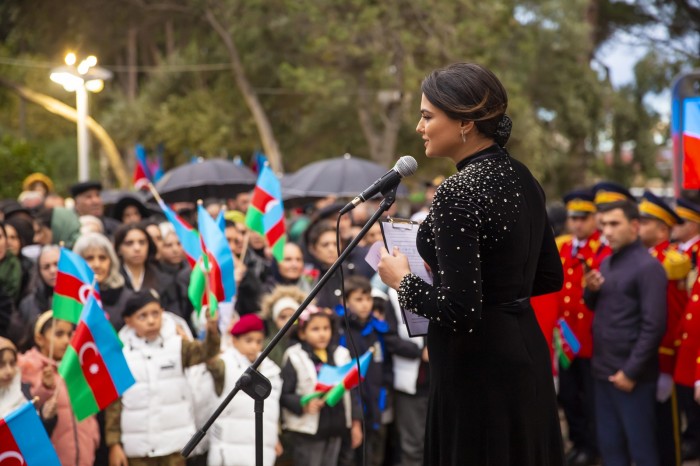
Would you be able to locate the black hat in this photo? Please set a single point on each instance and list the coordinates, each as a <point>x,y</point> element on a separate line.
<point>79,188</point>
<point>11,208</point>
<point>652,206</point>
<point>138,300</point>
<point>126,201</point>
<point>607,192</point>
<point>688,210</point>
<point>579,203</point>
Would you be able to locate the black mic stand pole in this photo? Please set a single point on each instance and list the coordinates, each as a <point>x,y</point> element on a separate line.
<point>256,385</point>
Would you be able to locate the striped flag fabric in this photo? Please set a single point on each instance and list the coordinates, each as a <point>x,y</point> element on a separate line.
<point>142,169</point>
<point>197,290</point>
<point>188,236</point>
<point>219,256</point>
<point>93,367</point>
<point>24,439</point>
<point>74,282</point>
<point>258,161</point>
<point>691,143</point>
<point>566,344</point>
<point>334,381</point>
<point>266,214</point>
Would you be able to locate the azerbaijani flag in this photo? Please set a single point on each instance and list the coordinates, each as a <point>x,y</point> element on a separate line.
<point>197,290</point>
<point>258,162</point>
<point>93,367</point>
<point>24,439</point>
<point>334,381</point>
<point>691,143</point>
<point>142,169</point>
<point>219,256</point>
<point>73,284</point>
<point>566,344</point>
<point>265,214</point>
<point>189,238</point>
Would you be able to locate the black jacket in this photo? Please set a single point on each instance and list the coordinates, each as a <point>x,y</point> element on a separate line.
<point>630,315</point>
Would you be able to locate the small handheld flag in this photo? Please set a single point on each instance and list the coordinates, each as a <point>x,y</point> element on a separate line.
<point>93,367</point>
<point>334,381</point>
<point>142,169</point>
<point>266,214</point>
<point>23,438</point>
<point>74,283</point>
<point>566,344</point>
<point>219,255</point>
<point>188,236</point>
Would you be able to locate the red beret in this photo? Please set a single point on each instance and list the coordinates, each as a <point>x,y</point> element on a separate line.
<point>248,323</point>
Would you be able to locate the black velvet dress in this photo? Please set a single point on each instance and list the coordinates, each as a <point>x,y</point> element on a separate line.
<point>490,247</point>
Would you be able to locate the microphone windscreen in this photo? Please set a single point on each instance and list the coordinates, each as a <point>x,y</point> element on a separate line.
<point>406,166</point>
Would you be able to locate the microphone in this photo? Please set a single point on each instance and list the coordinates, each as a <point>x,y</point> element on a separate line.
<point>405,166</point>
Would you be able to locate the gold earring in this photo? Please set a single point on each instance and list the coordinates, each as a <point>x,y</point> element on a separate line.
<point>464,136</point>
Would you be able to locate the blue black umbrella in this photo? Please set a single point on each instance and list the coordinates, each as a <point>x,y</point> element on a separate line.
<point>217,178</point>
<point>344,176</point>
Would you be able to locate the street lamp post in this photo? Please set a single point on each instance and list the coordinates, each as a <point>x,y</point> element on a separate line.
<point>87,76</point>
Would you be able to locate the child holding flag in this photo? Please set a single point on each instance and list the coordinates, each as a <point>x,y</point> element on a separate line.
<point>317,428</point>
<point>154,418</point>
<point>14,393</point>
<point>75,442</point>
<point>232,438</point>
<point>368,332</point>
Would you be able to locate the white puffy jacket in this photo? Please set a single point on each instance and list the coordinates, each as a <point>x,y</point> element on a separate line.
<point>157,417</point>
<point>232,440</point>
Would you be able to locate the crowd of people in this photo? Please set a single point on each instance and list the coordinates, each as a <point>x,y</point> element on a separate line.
<point>184,362</point>
<point>628,380</point>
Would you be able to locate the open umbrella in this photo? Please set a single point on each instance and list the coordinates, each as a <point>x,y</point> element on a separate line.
<point>344,176</point>
<point>217,178</point>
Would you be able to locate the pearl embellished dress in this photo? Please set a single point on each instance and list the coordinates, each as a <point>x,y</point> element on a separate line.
<point>489,247</point>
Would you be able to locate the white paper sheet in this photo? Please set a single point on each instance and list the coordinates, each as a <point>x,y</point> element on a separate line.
<point>402,234</point>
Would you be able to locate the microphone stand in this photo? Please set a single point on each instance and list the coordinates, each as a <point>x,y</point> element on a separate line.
<point>252,382</point>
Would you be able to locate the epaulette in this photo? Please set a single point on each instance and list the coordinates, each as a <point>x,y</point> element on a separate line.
<point>676,264</point>
<point>560,240</point>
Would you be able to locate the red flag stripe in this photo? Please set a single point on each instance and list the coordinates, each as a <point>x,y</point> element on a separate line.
<point>276,232</point>
<point>691,162</point>
<point>93,366</point>
<point>8,443</point>
<point>260,199</point>
<point>68,285</point>
<point>215,283</point>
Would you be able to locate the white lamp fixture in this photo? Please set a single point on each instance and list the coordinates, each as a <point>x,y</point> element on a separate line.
<point>87,76</point>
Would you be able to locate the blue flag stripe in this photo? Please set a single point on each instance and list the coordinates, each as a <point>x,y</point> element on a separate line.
<point>217,245</point>
<point>72,264</point>
<point>31,437</point>
<point>108,346</point>
<point>569,336</point>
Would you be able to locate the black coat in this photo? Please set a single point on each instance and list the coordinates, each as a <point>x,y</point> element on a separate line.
<point>630,315</point>
<point>489,246</point>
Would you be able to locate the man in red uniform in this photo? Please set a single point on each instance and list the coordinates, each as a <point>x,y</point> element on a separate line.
<point>658,219</point>
<point>685,374</point>
<point>583,251</point>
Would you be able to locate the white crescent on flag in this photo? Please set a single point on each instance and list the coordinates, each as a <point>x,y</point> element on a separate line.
<point>84,293</point>
<point>89,345</point>
<point>10,455</point>
<point>270,205</point>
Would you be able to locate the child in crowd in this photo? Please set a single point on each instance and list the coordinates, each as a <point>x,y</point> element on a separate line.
<point>368,332</point>
<point>276,309</point>
<point>14,393</point>
<point>75,442</point>
<point>154,418</point>
<point>317,429</point>
<point>232,440</point>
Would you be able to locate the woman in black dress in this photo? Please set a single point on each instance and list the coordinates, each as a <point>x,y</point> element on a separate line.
<point>489,246</point>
